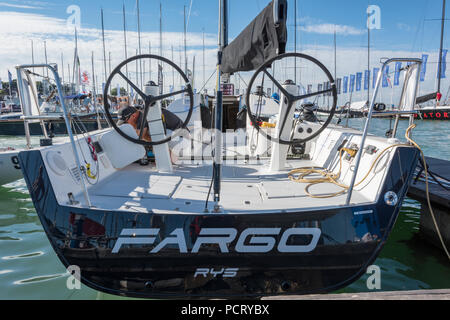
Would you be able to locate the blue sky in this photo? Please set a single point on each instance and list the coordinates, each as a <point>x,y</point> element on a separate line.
<point>404,24</point>
<point>408,28</point>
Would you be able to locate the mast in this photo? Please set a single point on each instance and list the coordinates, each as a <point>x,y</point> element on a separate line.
<point>150,62</point>
<point>335,55</point>
<point>139,39</point>
<point>295,40</point>
<point>204,75</point>
<point>62,67</point>
<point>94,93</point>
<point>70,83</point>
<point>104,48</point>
<point>109,54</point>
<point>160,72</point>
<point>173,72</point>
<point>185,47</point>
<point>125,45</point>
<point>45,52</point>
<point>368,56</point>
<point>222,43</point>
<point>441,47</point>
<point>32,52</point>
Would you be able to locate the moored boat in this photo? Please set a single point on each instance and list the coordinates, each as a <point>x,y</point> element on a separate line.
<point>226,220</point>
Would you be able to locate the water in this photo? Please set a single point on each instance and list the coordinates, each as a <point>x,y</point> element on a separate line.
<point>29,269</point>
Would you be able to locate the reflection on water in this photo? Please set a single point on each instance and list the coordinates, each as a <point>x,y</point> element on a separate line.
<point>29,269</point>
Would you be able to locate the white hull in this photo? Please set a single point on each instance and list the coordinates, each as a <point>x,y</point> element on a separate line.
<point>9,167</point>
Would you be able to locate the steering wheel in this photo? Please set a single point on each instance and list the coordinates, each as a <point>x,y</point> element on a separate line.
<point>149,100</point>
<point>306,133</point>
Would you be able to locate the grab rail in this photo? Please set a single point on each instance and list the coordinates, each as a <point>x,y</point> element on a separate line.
<point>66,118</point>
<point>371,112</point>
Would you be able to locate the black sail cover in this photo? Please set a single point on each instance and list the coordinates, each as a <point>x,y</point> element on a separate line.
<point>264,38</point>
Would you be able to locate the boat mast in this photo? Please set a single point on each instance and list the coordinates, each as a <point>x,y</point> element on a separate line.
<point>160,71</point>
<point>125,43</point>
<point>204,76</point>
<point>368,57</point>
<point>223,42</point>
<point>62,68</point>
<point>185,47</point>
<point>295,41</point>
<point>173,72</point>
<point>441,47</point>
<point>139,39</point>
<point>104,48</point>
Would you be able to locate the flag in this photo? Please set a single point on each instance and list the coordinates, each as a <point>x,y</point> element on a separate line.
<point>1,84</point>
<point>366,79</point>
<point>443,64</point>
<point>424,67</point>
<point>352,82</point>
<point>385,77</point>
<point>309,88</point>
<point>319,87</point>
<point>118,90</point>
<point>85,78</point>
<point>358,81</point>
<point>338,85</point>
<point>398,67</point>
<point>344,89</point>
<point>375,76</point>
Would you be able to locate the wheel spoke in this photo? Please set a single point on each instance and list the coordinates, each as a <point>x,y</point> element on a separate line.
<point>132,85</point>
<point>279,86</point>
<point>296,98</point>
<point>164,96</point>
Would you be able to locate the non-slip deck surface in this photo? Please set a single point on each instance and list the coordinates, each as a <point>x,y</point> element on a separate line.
<point>245,188</point>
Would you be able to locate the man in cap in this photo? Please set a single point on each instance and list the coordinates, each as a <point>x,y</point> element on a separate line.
<point>133,116</point>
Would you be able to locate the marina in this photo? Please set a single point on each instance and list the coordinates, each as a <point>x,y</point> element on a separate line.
<point>164,189</point>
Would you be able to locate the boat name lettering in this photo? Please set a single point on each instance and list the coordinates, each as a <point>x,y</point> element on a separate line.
<point>357,213</point>
<point>251,240</point>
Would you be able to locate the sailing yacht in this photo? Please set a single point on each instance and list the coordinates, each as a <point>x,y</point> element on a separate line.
<point>305,207</point>
<point>438,109</point>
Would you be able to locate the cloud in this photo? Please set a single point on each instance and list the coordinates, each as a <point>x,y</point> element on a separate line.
<point>328,28</point>
<point>18,6</point>
<point>59,38</point>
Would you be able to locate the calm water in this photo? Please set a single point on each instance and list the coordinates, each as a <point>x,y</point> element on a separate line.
<point>29,269</point>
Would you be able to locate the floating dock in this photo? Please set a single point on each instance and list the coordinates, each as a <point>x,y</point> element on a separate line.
<point>440,201</point>
<point>438,294</point>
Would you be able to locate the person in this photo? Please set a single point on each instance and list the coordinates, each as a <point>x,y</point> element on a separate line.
<point>87,103</point>
<point>133,116</point>
<point>438,98</point>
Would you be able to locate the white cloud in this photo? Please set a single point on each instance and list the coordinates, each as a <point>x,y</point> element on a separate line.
<point>18,6</point>
<point>328,28</point>
<point>18,29</point>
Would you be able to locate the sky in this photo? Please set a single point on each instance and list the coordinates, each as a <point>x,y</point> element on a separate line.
<point>408,28</point>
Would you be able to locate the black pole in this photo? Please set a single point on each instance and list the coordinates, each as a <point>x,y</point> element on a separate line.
<point>441,46</point>
<point>223,42</point>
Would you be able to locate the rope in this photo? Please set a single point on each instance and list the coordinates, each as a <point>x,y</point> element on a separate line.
<point>428,195</point>
<point>330,177</point>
